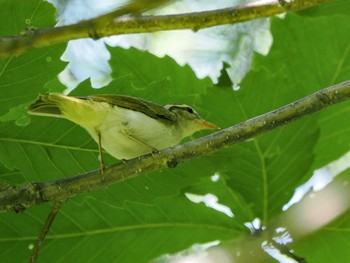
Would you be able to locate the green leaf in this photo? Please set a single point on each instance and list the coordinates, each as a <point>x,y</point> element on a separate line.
<point>23,77</point>
<point>265,170</point>
<point>142,218</point>
<point>47,150</point>
<point>19,16</point>
<point>312,59</point>
<point>65,149</point>
<point>304,58</point>
<point>18,114</point>
<point>88,229</point>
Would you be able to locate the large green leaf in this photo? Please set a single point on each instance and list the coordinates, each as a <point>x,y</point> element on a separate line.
<point>23,77</point>
<point>60,149</point>
<point>19,16</point>
<point>310,59</point>
<point>142,218</point>
<point>265,170</point>
<point>48,149</point>
<point>304,58</point>
<point>89,229</point>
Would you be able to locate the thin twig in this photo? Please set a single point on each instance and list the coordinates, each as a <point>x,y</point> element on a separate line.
<point>39,242</point>
<point>109,24</point>
<point>18,198</point>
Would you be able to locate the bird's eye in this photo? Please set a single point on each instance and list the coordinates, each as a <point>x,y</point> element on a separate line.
<point>190,110</point>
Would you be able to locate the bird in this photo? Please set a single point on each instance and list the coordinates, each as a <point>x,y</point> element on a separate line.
<point>124,126</point>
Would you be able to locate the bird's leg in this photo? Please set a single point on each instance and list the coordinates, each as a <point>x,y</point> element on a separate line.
<point>102,164</point>
<point>131,137</point>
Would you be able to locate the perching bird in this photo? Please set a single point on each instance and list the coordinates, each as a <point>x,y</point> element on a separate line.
<point>126,127</point>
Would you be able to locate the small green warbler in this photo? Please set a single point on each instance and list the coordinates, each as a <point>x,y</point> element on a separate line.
<point>126,127</point>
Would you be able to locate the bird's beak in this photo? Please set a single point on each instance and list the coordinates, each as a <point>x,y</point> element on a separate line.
<point>208,125</point>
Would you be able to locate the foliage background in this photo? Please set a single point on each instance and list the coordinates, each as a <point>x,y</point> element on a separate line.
<point>146,217</point>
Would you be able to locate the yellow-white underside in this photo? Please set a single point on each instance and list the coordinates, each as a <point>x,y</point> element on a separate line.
<point>125,134</point>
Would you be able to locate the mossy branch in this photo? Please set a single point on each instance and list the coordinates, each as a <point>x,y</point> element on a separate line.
<point>18,198</point>
<point>110,24</point>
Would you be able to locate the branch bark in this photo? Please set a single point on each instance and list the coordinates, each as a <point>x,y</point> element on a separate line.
<point>109,24</point>
<point>18,198</point>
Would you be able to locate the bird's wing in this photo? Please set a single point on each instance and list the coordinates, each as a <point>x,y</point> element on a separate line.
<point>149,108</point>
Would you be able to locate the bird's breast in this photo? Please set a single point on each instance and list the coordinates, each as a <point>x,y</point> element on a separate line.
<point>126,134</point>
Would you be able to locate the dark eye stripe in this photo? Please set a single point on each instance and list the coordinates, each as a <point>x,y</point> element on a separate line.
<point>183,108</point>
<point>189,109</point>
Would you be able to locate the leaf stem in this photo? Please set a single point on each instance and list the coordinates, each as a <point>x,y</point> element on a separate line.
<point>265,190</point>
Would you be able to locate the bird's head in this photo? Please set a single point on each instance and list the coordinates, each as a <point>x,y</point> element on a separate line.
<point>188,120</point>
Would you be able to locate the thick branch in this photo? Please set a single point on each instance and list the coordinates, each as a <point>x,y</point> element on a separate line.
<point>18,198</point>
<point>109,24</point>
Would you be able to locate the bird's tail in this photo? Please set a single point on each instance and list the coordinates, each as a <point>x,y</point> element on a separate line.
<point>80,110</point>
<point>48,105</point>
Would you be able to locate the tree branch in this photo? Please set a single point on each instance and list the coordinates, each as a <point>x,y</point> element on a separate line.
<point>109,24</point>
<point>18,198</point>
